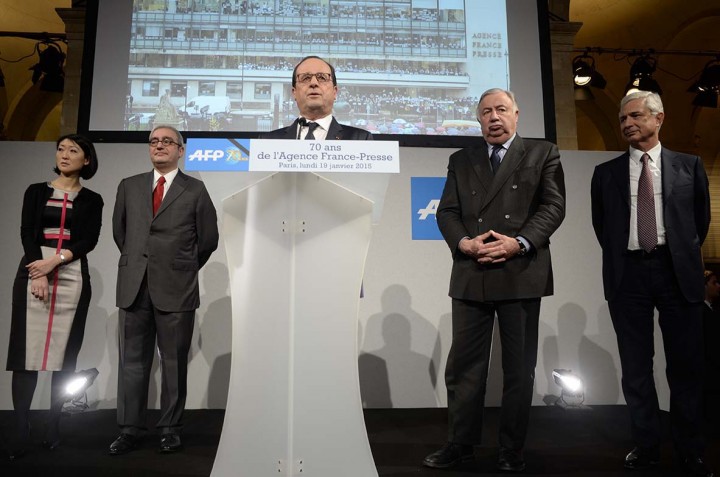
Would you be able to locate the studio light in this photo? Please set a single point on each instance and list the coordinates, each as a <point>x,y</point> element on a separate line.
<point>641,78</point>
<point>572,390</point>
<point>76,388</point>
<point>585,74</point>
<point>708,86</point>
<point>49,68</point>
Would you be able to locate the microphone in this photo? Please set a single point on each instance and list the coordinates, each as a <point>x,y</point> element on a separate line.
<point>302,122</point>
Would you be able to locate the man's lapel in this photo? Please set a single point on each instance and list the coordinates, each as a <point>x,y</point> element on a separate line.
<point>481,165</point>
<point>335,132</point>
<point>670,166</point>
<point>291,131</point>
<point>514,156</point>
<point>621,176</point>
<point>146,192</point>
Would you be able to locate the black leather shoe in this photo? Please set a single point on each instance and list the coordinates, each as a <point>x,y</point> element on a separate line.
<point>642,458</point>
<point>510,461</point>
<point>696,466</point>
<point>449,456</point>
<point>124,444</point>
<point>170,443</point>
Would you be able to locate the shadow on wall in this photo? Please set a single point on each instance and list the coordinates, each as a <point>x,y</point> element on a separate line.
<point>215,337</point>
<point>94,352</point>
<point>402,368</point>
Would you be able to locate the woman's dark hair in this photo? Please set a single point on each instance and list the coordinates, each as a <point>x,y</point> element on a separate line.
<point>91,167</point>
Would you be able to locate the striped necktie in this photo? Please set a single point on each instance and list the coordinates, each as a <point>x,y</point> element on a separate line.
<point>646,223</point>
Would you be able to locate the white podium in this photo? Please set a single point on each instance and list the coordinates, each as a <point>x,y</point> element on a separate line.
<point>296,244</point>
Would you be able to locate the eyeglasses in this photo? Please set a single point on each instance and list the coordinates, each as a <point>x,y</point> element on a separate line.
<point>166,141</point>
<point>306,78</point>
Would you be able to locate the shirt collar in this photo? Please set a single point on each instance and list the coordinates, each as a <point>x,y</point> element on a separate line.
<point>322,122</point>
<point>169,177</point>
<point>505,145</point>
<point>654,153</point>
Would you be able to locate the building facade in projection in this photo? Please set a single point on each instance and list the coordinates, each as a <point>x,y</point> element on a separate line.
<point>403,66</point>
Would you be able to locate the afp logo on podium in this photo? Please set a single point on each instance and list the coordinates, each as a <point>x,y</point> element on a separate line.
<point>425,196</point>
<point>217,154</point>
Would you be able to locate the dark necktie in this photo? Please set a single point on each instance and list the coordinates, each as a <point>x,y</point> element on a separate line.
<point>158,194</point>
<point>646,224</point>
<point>311,129</point>
<point>495,158</point>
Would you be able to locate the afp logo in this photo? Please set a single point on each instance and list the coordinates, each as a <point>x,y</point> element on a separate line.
<point>206,155</point>
<point>425,198</point>
<point>217,154</point>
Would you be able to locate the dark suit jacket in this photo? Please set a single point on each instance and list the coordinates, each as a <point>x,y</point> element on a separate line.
<point>170,247</point>
<point>526,197</point>
<point>337,131</point>
<point>686,211</point>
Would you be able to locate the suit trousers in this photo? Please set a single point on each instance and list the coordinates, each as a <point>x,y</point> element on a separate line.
<point>466,371</point>
<point>649,282</point>
<point>138,328</point>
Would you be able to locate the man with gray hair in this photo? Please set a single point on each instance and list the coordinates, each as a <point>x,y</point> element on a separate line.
<point>503,199</point>
<point>165,226</point>
<point>651,213</point>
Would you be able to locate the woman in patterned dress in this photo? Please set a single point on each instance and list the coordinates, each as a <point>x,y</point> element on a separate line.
<point>51,293</point>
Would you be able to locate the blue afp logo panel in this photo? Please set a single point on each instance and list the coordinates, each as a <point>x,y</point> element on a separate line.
<point>212,154</point>
<point>425,196</point>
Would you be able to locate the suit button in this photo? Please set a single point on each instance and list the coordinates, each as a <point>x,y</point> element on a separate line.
<point>507,216</point>
<point>480,220</point>
<point>473,193</point>
<point>145,255</point>
<point>514,186</point>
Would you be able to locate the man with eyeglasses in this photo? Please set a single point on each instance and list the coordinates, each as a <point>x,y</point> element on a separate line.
<point>314,87</point>
<point>165,226</point>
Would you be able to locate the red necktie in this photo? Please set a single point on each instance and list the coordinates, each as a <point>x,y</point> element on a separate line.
<point>158,194</point>
<point>646,224</point>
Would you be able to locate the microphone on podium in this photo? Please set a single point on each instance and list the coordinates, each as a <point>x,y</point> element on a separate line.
<point>302,122</point>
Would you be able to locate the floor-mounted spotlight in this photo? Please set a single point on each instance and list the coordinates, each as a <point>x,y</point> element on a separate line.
<point>641,78</point>
<point>708,86</point>
<point>76,390</point>
<point>572,390</point>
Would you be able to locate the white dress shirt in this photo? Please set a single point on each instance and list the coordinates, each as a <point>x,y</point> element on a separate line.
<point>321,131</point>
<point>169,177</point>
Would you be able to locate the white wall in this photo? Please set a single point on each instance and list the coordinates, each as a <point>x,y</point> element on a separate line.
<point>404,320</point>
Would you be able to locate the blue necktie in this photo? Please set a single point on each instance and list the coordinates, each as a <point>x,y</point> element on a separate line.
<point>495,158</point>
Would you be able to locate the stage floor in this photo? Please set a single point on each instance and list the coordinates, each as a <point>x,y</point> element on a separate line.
<point>588,443</point>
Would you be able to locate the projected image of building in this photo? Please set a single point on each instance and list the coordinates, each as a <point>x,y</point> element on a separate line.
<point>403,66</point>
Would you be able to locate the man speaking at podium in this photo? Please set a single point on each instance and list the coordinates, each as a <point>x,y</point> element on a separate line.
<point>314,87</point>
